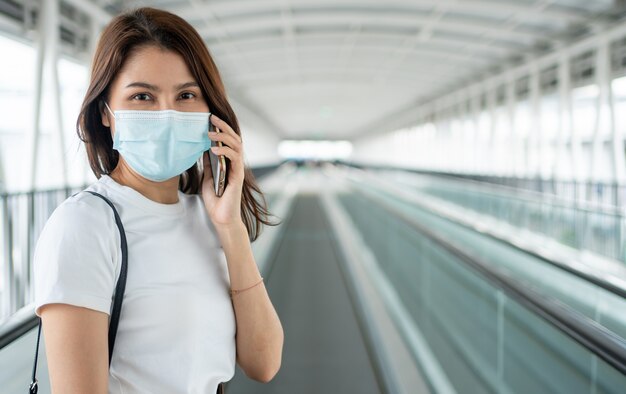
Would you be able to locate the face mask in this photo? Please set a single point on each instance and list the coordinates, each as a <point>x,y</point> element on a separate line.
<point>160,145</point>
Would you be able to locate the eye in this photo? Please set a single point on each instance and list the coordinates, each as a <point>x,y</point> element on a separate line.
<point>144,97</point>
<point>187,95</point>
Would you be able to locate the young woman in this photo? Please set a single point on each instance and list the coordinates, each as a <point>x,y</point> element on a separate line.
<point>145,113</point>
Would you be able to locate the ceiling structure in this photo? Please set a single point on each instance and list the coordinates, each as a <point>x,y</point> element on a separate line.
<point>328,69</point>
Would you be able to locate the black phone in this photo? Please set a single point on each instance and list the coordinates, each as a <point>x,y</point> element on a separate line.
<point>219,164</point>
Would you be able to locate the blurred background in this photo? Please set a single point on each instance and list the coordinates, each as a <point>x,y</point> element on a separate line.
<point>450,174</point>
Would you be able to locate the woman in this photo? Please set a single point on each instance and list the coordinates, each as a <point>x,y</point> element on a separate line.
<point>180,330</point>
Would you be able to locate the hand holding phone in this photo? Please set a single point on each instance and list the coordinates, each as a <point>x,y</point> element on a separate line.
<point>219,167</point>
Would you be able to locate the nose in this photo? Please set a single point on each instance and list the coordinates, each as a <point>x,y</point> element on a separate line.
<point>167,105</point>
<point>167,102</point>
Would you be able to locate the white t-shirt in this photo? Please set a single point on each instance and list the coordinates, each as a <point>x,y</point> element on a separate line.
<point>177,326</point>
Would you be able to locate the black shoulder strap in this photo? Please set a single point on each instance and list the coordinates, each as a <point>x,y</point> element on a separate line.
<point>121,282</point>
<point>119,294</point>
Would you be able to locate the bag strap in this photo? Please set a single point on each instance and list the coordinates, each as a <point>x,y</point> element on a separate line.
<point>119,294</point>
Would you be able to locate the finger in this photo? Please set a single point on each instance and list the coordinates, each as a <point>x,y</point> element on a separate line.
<point>235,158</point>
<point>226,151</point>
<point>224,127</point>
<point>227,139</point>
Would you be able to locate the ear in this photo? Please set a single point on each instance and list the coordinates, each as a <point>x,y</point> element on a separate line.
<point>104,114</point>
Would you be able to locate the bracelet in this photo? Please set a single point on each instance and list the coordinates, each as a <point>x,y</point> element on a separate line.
<point>235,292</point>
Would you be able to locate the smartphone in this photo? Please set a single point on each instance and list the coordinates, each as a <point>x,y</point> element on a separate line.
<point>219,165</point>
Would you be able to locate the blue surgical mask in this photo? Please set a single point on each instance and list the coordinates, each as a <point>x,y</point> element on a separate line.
<point>160,145</point>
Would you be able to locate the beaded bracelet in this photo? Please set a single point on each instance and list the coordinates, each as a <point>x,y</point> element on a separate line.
<point>235,292</point>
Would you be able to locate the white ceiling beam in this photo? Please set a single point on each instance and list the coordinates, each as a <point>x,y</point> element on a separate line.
<point>73,26</point>
<point>91,9</point>
<point>406,114</point>
<point>424,54</point>
<point>415,73</point>
<point>348,43</point>
<point>11,26</point>
<point>337,82</point>
<point>514,20</point>
<point>259,24</point>
<point>480,7</point>
<point>341,82</point>
<point>276,77</point>
<point>375,50</point>
<point>290,51</point>
<point>410,43</point>
<point>615,32</point>
<point>305,41</point>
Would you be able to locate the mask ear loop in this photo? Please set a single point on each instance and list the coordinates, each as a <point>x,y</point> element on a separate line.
<point>109,108</point>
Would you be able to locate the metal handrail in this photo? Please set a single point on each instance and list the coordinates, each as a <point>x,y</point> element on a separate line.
<point>18,324</point>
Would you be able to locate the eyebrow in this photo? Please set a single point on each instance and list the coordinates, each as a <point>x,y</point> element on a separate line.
<point>157,89</point>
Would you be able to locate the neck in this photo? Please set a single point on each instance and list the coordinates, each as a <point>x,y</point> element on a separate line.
<point>165,192</point>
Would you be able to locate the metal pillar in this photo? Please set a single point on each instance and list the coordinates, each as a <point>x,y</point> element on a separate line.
<point>47,60</point>
<point>605,130</point>
<point>476,165</point>
<point>7,268</point>
<point>512,134</point>
<point>464,114</point>
<point>607,99</point>
<point>492,157</point>
<point>600,123</point>
<point>533,144</point>
<point>34,135</point>
<point>570,142</point>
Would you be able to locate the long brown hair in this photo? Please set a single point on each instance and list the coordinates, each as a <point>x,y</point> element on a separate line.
<point>150,26</point>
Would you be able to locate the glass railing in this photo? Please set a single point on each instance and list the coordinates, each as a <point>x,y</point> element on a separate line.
<point>584,226</point>
<point>601,301</point>
<point>487,336</point>
<point>22,216</point>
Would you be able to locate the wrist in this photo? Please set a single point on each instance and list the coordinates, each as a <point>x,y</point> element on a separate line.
<point>231,232</point>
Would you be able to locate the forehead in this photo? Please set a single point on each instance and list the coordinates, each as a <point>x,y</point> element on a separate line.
<point>148,63</point>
